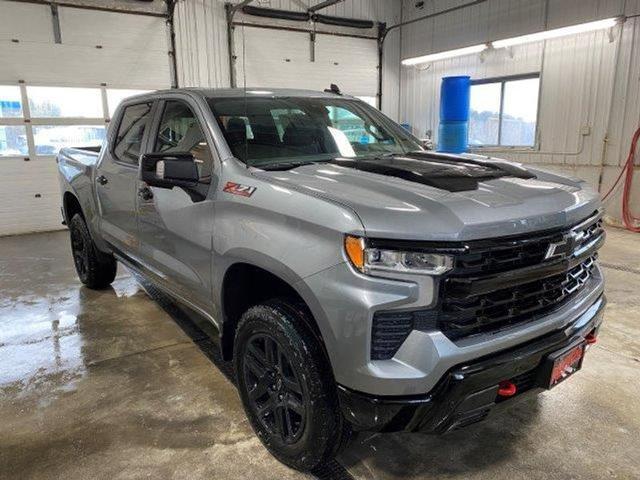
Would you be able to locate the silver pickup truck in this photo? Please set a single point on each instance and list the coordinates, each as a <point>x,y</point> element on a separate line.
<point>357,280</point>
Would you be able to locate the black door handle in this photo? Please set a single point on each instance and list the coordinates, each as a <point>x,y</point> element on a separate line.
<point>102,180</point>
<point>145,193</point>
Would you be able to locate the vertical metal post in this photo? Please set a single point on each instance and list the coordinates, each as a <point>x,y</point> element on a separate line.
<point>55,19</point>
<point>382,33</point>
<point>502,87</point>
<point>26,114</point>
<point>171,40</point>
<point>106,114</point>
<point>230,44</point>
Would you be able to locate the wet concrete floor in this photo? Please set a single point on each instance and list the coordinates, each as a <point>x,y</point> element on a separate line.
<point>117,385</point>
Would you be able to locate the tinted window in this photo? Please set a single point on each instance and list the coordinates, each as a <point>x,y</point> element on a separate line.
<point>271,131</point>
<point>128,142</point>
<point>180,132</point>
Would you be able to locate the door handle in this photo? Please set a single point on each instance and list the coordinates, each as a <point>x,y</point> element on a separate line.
<point>102,180</point>
<point>145,193</point>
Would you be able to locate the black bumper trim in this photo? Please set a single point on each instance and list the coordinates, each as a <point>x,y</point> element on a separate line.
<point>467,392</point>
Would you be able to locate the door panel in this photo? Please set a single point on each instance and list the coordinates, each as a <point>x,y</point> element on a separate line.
<point>116,178</point>
<point>175,226</point>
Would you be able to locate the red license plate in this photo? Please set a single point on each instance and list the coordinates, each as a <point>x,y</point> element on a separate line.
<point>566,364</point>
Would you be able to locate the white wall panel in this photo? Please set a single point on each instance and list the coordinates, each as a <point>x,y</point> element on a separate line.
<point>202,51</point>
<point>495,19</point>
<point>276,58</point>
<point>469,26</point>
<point>587,80</point>
<point>202,54</point>
<point>132,54</point>
<point>97,47</point>
<point>26,22</point>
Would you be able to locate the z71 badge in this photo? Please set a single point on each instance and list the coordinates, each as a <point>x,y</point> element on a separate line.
<point>237,189</point>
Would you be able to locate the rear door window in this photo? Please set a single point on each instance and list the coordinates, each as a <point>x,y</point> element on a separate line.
<point>134,123</point>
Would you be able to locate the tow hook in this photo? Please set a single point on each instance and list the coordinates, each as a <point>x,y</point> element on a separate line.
<point>591,339</point>
<point>507,389</point>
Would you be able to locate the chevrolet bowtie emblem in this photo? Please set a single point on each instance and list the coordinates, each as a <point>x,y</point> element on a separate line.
<point>563,248</point>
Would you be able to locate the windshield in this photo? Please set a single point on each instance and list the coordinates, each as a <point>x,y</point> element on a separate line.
<point>265,132</point>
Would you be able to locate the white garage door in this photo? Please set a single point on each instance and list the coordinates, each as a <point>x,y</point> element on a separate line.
<point>60,94</point>
<point>279,58</point>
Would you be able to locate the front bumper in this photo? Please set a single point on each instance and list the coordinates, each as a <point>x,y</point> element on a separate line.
<point>468,391</point>
<point>343,302</point>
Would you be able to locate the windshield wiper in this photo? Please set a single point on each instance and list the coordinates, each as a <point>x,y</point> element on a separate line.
<point>286,165</point>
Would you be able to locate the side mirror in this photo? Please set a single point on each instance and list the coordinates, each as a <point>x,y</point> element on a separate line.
<point>168,170</point>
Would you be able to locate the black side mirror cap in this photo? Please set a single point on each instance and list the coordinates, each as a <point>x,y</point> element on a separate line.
<point>168,170</point>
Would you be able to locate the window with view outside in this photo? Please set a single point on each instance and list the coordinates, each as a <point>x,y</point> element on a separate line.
<point>49,139</point>
<point>10,102</point>
<point>306,130</point>
<point>13,138</point>
<point>504,112</point>
<point>13,141</point>
<point>65,102</point>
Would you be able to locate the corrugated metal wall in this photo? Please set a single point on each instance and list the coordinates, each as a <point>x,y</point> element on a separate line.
<point>577,78</point>
<point>201,40</point>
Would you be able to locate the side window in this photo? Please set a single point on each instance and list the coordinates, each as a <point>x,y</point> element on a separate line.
<point>128,142</point>
<point>180,132</point>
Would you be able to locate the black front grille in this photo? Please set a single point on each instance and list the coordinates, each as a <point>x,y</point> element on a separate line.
<point>501,255</point>
<point>496,284</point>
<point>462,314</point>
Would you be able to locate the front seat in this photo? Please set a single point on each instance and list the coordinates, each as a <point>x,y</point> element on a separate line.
<point>302,135</point>
<point>236,134</point>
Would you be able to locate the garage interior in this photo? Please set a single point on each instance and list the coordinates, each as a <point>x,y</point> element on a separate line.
<point>123,383</point>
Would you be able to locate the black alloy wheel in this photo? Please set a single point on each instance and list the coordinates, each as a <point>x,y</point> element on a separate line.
<point>95,269</point>
<point>80,253</point>
<point>274,389</point>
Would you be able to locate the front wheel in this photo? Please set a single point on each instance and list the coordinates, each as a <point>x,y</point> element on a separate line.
<point>95,268</point>
<point>286,386</point>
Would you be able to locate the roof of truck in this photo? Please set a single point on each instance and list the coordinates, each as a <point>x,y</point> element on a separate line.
<point>264,92</point>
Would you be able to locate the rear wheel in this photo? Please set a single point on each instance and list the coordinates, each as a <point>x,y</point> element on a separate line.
<point>286,386</point>
<point>95,268</point>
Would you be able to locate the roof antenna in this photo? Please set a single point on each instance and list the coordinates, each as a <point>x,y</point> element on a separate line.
<point>333,89</point>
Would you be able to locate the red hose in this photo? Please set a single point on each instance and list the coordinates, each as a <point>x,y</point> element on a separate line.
<point>628,218</point>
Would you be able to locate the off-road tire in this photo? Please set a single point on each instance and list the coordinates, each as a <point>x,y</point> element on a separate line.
<point>324,430</point>
<point>95,269</point>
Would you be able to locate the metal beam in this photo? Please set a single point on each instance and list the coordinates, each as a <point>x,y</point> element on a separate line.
<point>321,5</point>
<point>239,6</point>
<point>55,18</point>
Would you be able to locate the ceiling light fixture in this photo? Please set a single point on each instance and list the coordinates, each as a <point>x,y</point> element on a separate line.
<point>510,42</point>
<point>558,32</point>
<point>443,55</point>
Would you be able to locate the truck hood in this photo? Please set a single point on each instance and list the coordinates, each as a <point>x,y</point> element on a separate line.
<point>429,196</point>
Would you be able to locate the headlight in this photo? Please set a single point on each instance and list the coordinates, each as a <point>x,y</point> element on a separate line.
<point>371,260</point>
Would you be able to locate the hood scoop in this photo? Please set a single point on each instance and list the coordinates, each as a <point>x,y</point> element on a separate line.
<point>445,172</point>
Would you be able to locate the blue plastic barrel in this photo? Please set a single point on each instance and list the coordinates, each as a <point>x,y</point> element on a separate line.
<point>453,137</point>
<point>455,93</point>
